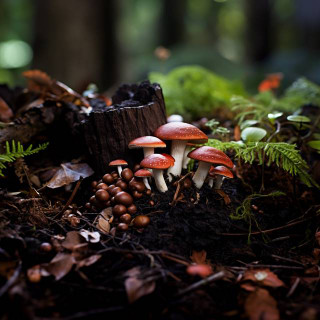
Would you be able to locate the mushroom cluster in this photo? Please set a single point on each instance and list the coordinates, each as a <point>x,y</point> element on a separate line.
<point>118,192</point>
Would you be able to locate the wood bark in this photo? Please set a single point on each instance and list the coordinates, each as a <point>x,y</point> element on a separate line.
<point>138,111</point>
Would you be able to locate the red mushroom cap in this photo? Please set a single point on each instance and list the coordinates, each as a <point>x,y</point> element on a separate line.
<point>156,161</point>
<point>222,171</point>
<point>118,162</point>
<point>180,131</point>
<point>211,155</point>
<point>142,173</point>
<point>147,141</point>
<point>169,157</point>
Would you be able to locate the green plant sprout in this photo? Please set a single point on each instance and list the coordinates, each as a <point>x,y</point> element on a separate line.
<point>15,151</point>
<point>213,125</point>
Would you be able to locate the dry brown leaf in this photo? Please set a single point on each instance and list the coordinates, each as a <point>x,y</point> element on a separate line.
<point>88,261</point>
<point>135,287</point>
<point>60,265</point>
<point>103,225</point>
<point>264,277</point>
<point>37,80</point>
<point>68,173</point>
<point>199,256</point>
<point>6,113</point>
<point>73,239</point>
<point>261,305</point>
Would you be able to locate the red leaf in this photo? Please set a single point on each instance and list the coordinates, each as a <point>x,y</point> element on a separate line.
<point>264,277</point>
<point>260,305</point>
<point>202,270</point>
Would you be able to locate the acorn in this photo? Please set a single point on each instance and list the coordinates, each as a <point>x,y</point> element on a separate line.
<point>115,190</point>
<point>110,188</point>
<point>127,174</point>
<point>108,178</point>
<point>139,186</point>
<point>121,184</point>
<point>94,184</point>
<point>125,218</point>
<point>114,175</point>
<point>119,209</point>
<point>102,186</point>
<point>93,200</point>
<point>123,198</point>
<point>132,209</point>
<point>122,227</point>
<point>141,221</point>
<point>102,195</point>
<point>136,194</point>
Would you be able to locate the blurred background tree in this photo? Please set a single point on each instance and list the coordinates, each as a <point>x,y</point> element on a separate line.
<point>109,42</point>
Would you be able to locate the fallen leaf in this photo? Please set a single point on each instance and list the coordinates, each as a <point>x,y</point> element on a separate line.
<point>92,237</point>
<point>199,256</point>
<point>136,287</point>
<point>260,305</point>
<point>6,113</point>
<point>88,261</point>
<point>248,286</point>
<point>264,277</point>
<point>73,239</point>
<point>202,270</point>
<point>68,173</point>
<point>60,265</point>
<point>103,225</point>
<point>37,80</point>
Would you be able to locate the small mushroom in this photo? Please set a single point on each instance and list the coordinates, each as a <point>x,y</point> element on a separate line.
<point>221,172</point>
<point>180,133</point>
<point>144,174</point>
<point>141,221</point>
<point>123,198</point>
<point>186,159</point>
<point>148,143</point>
<point>207,156</point>
<point>157,163</point>
<point>119,164</point>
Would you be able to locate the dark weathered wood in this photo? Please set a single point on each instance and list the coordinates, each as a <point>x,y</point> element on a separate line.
<point>139,111</point>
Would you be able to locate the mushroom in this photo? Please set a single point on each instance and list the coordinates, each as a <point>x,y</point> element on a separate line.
<point>158,163</point>
<point>118,163</point>
<point>180,133</point>
<point>221,172</point>
<point>148,143</point>
<point>186,160</point>
<point>144,174</point>
<point>169,157</point>
<point>206,156</point>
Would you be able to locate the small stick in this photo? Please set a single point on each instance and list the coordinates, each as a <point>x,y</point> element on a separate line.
<point>72,196</point>
<point>213,277</point>
<point>294,287</point>
<point>178,188</point>
<point>286,259</point>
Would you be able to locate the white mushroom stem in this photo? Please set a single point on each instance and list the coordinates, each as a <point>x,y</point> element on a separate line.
<point>147,151</point>
<point>210,183</point>
<point>119,170</point>
<point>201,174</point>
<point>177,152</point>
<point>219,182</point>
<point>159,180</point>
<point>185,158</point>
<point>146,183</point>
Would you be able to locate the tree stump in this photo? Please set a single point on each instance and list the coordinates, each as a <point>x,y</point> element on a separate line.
<point>137,111</point>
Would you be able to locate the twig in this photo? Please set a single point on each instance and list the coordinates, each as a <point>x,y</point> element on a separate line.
<point>287,259</point>
<point>293,287</point>
<point>213,277</point>
<point>178,188</point>
<point>72,196</point>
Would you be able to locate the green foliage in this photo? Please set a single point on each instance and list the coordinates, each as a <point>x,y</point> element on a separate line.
<point>195,92</point>
<point>284,155</point>
<point>243,212</point>
<point>213,125</point>
<point>15,151</point>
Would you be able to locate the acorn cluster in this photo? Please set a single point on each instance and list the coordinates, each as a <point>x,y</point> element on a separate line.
<point>119,193</point>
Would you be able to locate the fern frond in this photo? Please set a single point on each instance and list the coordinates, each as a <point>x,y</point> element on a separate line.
<point>286,156</point>
<point>15,151</point>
